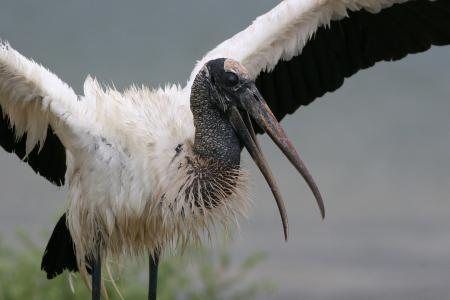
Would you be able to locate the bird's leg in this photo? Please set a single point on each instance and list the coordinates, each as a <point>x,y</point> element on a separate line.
<point>153,275</point>
<point>96,277</point>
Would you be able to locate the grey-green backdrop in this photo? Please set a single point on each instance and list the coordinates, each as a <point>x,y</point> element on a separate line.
<point>379,147</point>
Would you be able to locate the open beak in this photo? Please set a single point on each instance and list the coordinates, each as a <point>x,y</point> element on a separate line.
<point>255,107</point>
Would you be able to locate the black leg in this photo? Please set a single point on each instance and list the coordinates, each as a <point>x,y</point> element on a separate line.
<point>153,277</point>
<point>96,278</point>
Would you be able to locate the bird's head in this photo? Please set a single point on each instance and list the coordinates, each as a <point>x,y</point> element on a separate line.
<point>232,92</point>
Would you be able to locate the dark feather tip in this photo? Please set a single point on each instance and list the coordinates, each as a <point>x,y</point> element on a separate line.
<point>59,254</point>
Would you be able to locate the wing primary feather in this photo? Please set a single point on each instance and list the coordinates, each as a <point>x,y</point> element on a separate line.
<point>350,44</point>
<point>49,161</point>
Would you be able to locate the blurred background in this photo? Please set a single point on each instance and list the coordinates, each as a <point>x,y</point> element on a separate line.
<point>378,148</point>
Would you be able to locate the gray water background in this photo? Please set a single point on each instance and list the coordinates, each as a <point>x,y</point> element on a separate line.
<point>378,147</point>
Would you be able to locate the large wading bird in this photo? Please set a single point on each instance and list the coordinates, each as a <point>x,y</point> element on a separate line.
<point>149,169</point>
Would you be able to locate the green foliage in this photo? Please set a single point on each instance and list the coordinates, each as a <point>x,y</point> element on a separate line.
<point>197,274</point>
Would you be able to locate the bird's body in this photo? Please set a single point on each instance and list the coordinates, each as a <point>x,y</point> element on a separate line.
<point>132,175</point>
<point>151,168</point>
<point>133,182</point>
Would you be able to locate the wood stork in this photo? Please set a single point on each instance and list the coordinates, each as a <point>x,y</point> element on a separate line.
<point>149,168</point>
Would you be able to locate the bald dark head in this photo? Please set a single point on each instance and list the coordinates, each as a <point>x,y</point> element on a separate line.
<point>210,100</point>
<point>223,69</point>
<point>226,80</point>
<point>227,73</point>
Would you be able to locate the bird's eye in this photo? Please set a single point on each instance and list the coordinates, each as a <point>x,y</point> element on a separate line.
<point>231,79</point>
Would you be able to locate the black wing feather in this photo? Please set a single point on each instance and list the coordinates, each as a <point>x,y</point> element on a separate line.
<point>352,44</point>
<point>50,162</point>
<point>59,254</point>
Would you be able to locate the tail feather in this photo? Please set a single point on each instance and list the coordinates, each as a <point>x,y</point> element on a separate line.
<point>59,254</point>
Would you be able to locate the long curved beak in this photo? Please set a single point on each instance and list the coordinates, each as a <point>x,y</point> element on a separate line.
<point>253,103</point>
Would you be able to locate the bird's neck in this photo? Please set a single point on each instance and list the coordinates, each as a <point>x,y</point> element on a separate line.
<point>215,139</point>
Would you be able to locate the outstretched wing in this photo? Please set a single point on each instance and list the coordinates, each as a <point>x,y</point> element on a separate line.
<point>36,108</point>
<point>304,48</point>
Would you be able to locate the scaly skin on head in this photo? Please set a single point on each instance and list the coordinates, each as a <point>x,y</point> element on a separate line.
<point>215,138</point>
<point>216,147</point>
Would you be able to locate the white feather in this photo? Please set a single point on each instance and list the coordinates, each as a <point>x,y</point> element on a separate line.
<point>34,98</point>
<point>283,32</point>
<point>127,185</point>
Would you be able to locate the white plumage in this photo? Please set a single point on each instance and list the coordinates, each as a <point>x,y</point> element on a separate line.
<point>121,156</point>
<point>282,33</point>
